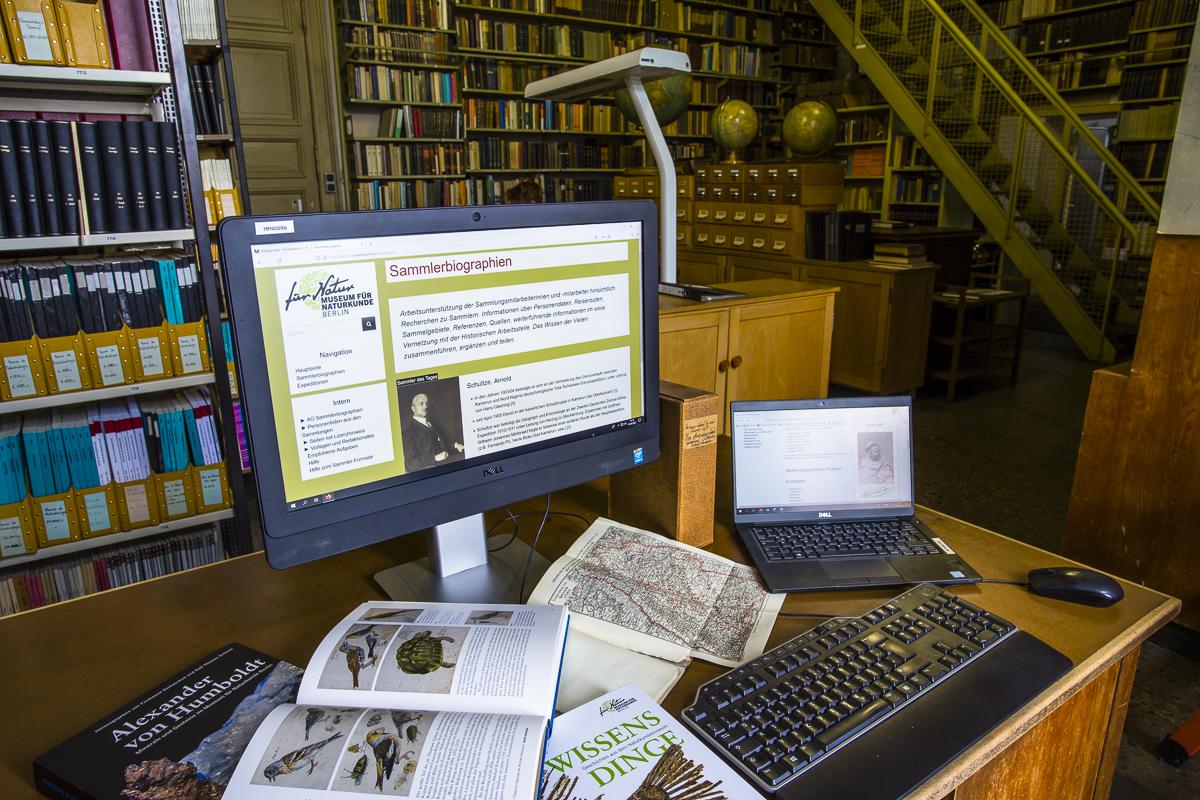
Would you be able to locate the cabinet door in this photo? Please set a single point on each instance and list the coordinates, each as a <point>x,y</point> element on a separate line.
<point>860,326</point>
<point>703,268</point>
<point>692,348</point>
<point>780,349</point>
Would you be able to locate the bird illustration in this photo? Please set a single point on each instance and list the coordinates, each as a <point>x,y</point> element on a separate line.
<point>411,733</point>
<point>355,658</point>
<point>313,716</point>
<point>402,718</point>
<point>360,769</point>
<point>297,759</point>
<point>368,630</point>
<point>486,616</point>
<point>371,639</point>
<point>386,748</point>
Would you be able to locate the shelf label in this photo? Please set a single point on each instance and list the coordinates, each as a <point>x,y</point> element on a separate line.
<point>12,539</point>
<point>66,370</point>
<point>136,504</point>
<point>35,35</point>
<point>176,497</point>
<point>54,517</point>
<point>189,354</point>
<point>20,376</point>
<point>109,359</point>
<point>96,505</point>
<point>151,354</point>
<point>210,488</point>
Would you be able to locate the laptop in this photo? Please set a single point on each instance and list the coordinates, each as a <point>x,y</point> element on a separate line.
<point>823,496</point>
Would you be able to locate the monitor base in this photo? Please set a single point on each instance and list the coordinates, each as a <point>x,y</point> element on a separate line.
<point>497,581</point>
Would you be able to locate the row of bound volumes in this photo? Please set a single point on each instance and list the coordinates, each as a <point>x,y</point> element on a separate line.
<point>837,235</point>
<point>866,162</point>
<point>917,189</point>
<point>694,20</point>
<point>1079,70</point>
<point>208,101</point>
<point>586,154</point>
<point>481,32</point>
<point>1150,122</point>
<point>482,190</point>
<point>383,160</point>
<point>72,33</point>
<point>52,451</point>
<point>53,298</point>
<point>907,152</point>
<point>408,47</point>
<point>1152,83</point>
<point>501,76</point>
<point>1152,47</point>
<point>861,197</point>
<point>415,13</point>
<point>1155,13</point>
<point>108,568</point>
<point>633,12</point>
<point>1145,160</point>
<point>1107,25</point>
<point>199,20</point>
<point>542,115</point>
<point>728,59</point>
<point>416,122</point>
<point>863,128</point>
<point>402,85</point>
<point>914,215</point>
<point>130,177</point>
<point>221,198</point>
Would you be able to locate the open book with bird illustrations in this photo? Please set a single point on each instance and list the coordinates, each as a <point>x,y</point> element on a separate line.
<point>429,700</point>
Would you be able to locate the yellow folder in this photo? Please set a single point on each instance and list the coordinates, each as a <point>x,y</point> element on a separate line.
<point>33,32</point>
<point>84,34</point>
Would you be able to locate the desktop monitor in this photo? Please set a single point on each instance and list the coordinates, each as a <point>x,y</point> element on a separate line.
<point>403,369</point>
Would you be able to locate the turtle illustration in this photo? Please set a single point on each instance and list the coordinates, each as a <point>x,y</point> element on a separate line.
<point>422,654</point>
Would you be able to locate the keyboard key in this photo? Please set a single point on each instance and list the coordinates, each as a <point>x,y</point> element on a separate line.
<point>775,774</point>
<point>854,723</point>
<point>746,747</point>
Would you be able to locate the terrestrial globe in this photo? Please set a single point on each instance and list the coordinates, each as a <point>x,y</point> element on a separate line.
<point>810,129</point>
<point>734,125</point>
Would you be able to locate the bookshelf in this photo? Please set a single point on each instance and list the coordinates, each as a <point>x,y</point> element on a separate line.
<point>28,92</point>
<point>465,66</point>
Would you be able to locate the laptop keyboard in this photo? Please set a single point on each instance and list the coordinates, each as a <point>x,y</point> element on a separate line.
<point>843,539</point>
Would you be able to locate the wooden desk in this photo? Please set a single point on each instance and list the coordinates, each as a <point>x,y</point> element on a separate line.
<point>66,665</point>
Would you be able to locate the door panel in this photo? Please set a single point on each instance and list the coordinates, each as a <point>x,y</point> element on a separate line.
<point>281,73</point>
<point>772,365</point>
<point>690,348</point>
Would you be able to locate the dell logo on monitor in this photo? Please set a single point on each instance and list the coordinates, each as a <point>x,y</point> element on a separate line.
<point>490,471</point>
<point>825,515</point>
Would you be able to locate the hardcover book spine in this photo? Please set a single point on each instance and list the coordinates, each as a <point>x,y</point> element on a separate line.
<point>135,167</point>
<point>112,162</point>
<point>172,180</point>
<point>64,173</point>
<point>129,33</point>
<point>43,154</point>
<point>155,177</point>
<point>30,193</point>
<point>95,205</point>
<point>10,182</point>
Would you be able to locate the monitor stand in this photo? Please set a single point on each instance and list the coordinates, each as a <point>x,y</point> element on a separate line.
<point>459,568</point>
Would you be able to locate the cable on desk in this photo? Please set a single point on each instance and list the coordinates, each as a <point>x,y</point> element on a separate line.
<point>514,517</point>
<point>1003,580</point>
<point>532,549</point>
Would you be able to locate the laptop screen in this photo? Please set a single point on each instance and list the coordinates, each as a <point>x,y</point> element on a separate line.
<point>823,459</point>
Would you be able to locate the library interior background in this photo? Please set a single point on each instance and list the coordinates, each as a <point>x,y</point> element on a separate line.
<point>1025,162</point>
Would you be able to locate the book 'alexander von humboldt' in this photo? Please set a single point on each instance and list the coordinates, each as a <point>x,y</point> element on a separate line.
<point>624,745</point>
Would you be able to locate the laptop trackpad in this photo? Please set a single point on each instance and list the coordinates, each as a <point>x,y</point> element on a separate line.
<point>851,568</point>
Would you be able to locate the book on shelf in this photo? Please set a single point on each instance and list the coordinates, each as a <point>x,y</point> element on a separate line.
<point>221,198</point>
<point>412,122</point>
<point>84,33</point>
<point>898,249</point>
<point>33,32</point>
<point>199,20</point>
<point>623,744</point>
<point>416,13</point>
<point>401,696</point>
<point>108,566</point>
<point>208,103</point>
<point>401,85</point>
<point>890,225</point>
<point>130,36</point>
<point>1147,122</point>
<point>1153,83</point>
<point>181,738</point>
<point>1158,13</point>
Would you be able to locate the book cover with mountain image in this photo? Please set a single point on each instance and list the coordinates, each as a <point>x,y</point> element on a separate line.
<point>180,741</point>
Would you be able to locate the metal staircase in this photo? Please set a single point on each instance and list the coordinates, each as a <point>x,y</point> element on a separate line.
<point>1065,211</point>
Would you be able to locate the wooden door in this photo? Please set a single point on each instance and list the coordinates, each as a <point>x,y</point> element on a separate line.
<point>282,74</point>
<point>692,348</point>
<point>771,349</point>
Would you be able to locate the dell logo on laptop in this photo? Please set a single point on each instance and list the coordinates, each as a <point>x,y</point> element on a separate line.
<point>825,515</point>
<point>490,471</point>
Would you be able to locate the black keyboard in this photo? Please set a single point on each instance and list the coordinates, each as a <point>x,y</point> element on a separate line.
<point>779,715</point>
<point>843,539</point>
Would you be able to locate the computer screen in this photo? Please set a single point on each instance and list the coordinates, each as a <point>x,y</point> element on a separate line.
<point>404,368</point>
<point>823,456</point>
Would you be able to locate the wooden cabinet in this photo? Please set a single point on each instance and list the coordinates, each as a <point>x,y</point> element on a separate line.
<point>881,328</point>
<point>772,344</point>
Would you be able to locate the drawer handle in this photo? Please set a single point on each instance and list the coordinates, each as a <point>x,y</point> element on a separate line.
<point>780,219</point>
<point>738,216</point>
<point>778,245</point>
<point>759,216</point>
<point>736,362</point>
<point>724,365</point>
<point>738,241</point>
<point>720,215</point>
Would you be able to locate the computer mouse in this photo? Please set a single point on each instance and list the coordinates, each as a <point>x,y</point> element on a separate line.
<point>1075,585</point>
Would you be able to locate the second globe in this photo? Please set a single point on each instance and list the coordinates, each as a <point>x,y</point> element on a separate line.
<point>734,125</point>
